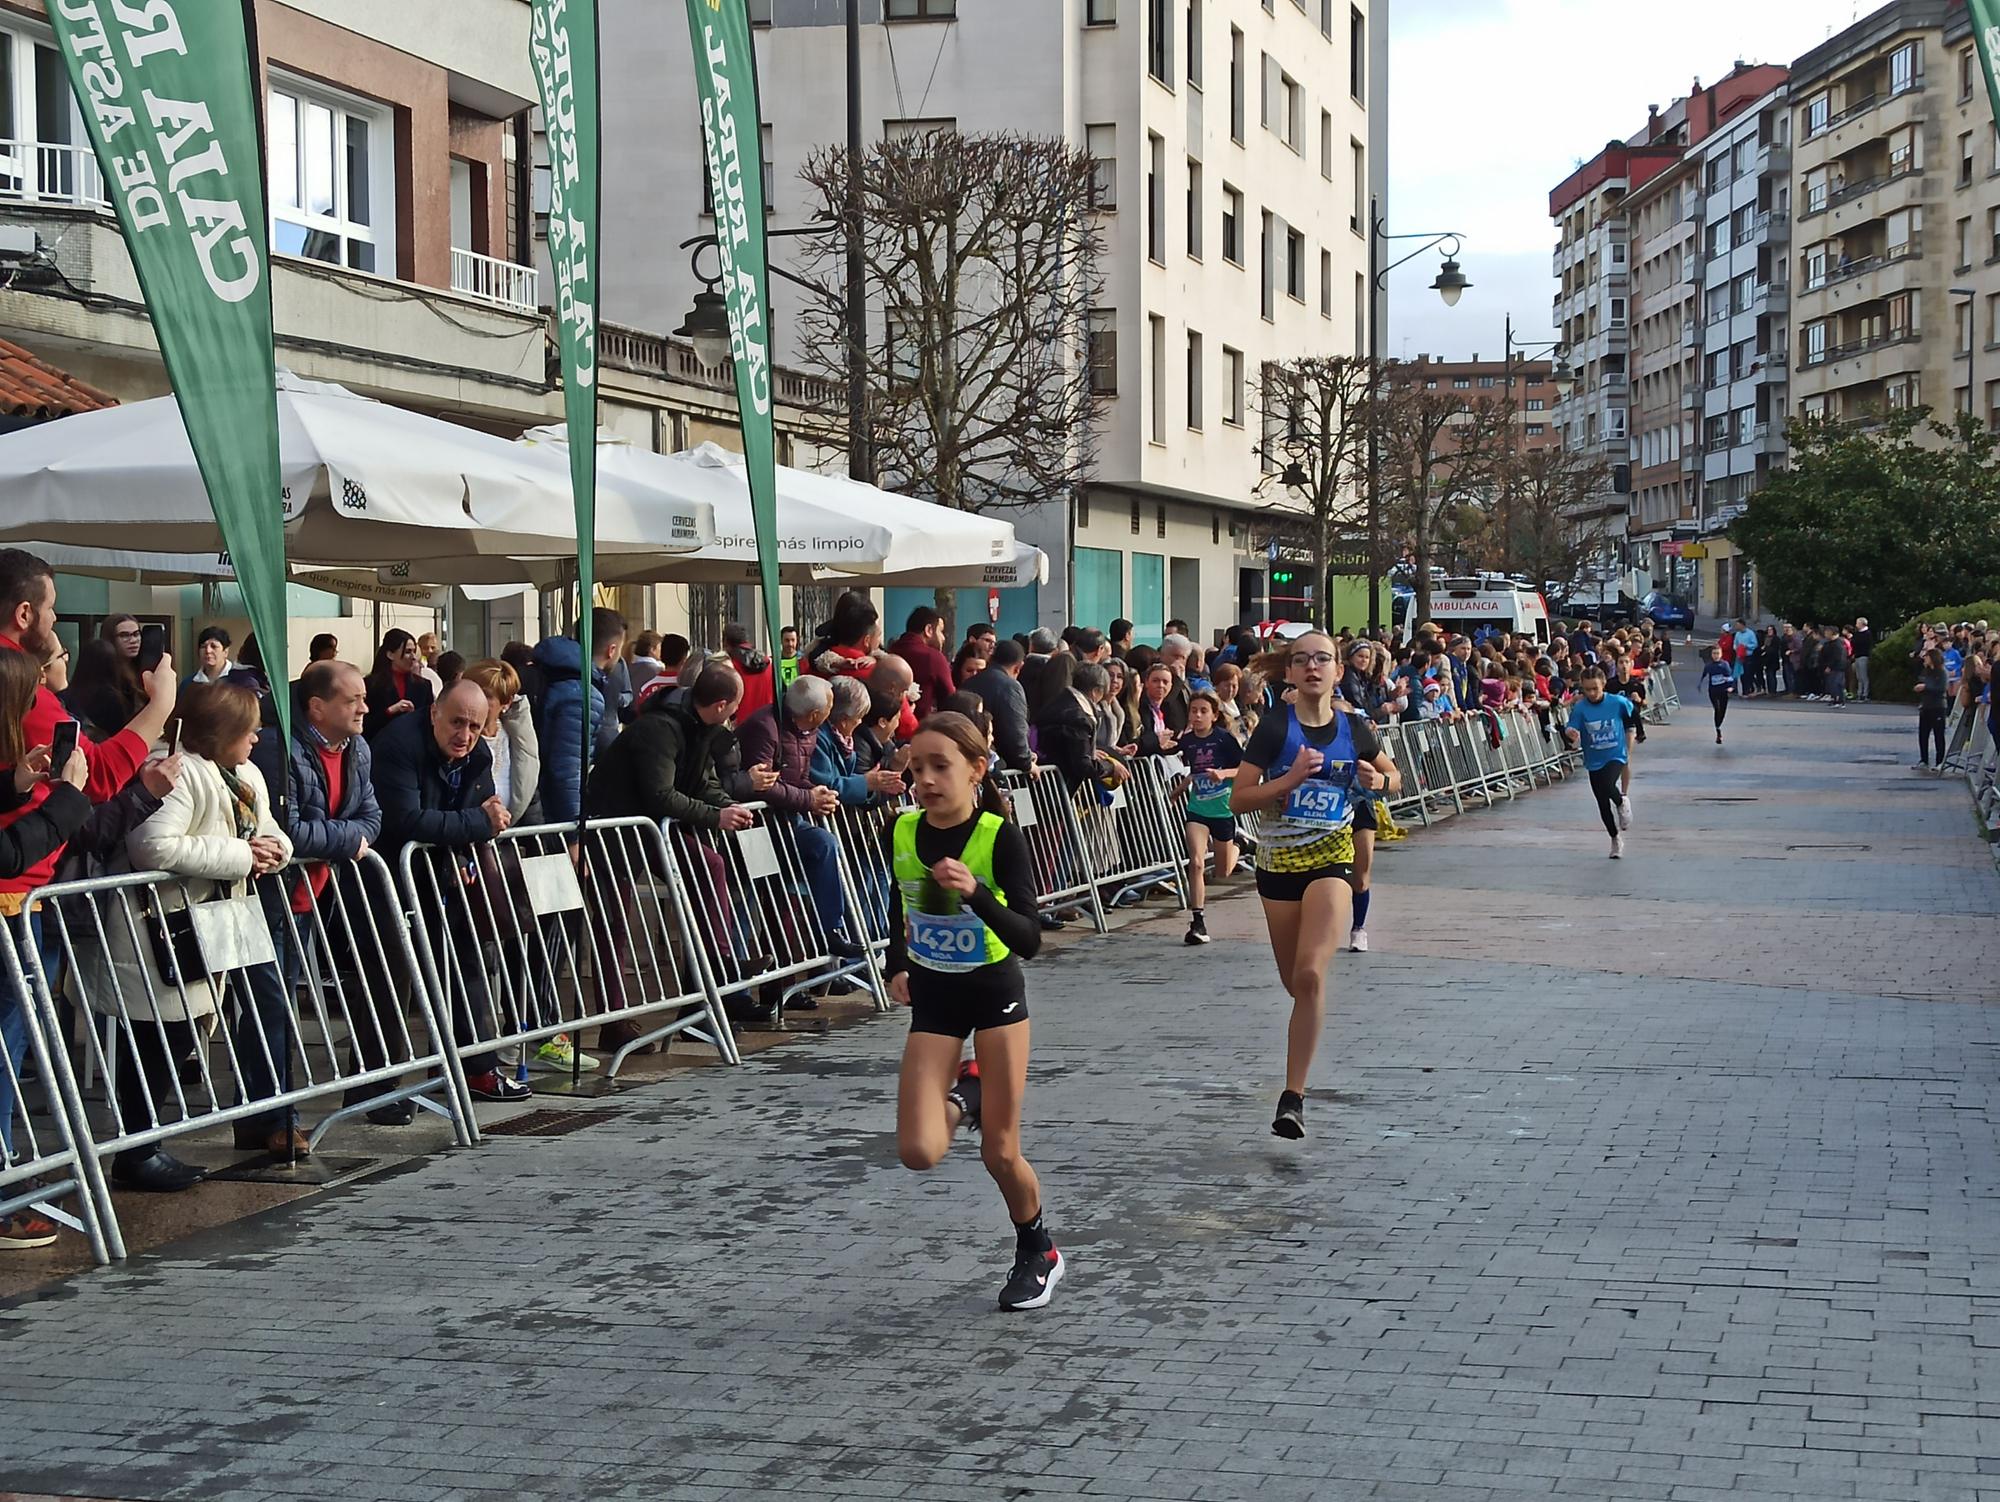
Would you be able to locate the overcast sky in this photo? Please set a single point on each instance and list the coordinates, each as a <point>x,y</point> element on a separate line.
<point>1494,102</point>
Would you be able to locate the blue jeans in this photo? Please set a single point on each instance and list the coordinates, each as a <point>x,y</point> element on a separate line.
<point>821,859</point>
<point>14,1031</point>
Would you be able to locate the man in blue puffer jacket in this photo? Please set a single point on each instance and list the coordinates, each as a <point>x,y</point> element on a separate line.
<point>559,723</point>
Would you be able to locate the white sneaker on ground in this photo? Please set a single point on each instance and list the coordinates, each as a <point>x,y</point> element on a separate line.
<point>1617,846</point>
<point>1357,941</point>
<point>1625,812</point>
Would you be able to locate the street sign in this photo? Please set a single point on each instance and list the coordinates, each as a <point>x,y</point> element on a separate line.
<point>1694,550</point>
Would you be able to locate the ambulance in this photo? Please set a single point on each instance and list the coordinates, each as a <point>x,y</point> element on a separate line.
<point>1466,606</point>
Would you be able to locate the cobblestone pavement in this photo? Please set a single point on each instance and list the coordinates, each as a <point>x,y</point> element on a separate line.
<point>1666,1178</point>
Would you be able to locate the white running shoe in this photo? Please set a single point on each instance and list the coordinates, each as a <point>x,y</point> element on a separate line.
<point>1617,846</point>
<point>1625,812</point>
<point>1357,941</point>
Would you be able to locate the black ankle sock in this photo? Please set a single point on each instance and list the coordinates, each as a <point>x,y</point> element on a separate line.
<point>1032,1236</point>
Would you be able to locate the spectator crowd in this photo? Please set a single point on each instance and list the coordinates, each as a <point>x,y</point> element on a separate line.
<point>192,776</point>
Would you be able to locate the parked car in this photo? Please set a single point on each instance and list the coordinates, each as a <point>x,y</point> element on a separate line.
<point>1665,611</point>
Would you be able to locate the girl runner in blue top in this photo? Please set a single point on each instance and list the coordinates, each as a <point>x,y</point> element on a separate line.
<point>1720,681</point>
<point>1303,770</point>
<point>961,909</point>
<point>1212,755</point>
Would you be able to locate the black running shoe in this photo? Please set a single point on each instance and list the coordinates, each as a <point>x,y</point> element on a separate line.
<point>1291,1118</point>
<point>1197,931</point>
<point>965,1094</point>
<point>1034,1280</point>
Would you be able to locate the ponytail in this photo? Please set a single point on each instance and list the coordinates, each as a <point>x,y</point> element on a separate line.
<point>993,798</point>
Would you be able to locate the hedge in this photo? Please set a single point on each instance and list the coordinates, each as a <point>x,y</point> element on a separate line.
<point>1891,674</point>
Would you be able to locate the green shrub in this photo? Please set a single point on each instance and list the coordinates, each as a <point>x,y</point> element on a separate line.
<point>1891,674</point>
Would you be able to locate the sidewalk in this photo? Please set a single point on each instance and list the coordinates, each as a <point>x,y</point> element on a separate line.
<point>1661,1178</point>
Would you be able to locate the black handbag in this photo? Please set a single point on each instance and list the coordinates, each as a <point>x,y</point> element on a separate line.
<point>177,951</point>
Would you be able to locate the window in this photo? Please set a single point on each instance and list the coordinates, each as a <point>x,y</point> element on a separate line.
<point>1295,265</point>
<point>1156,199</point>
<point>1272,73</point>
<point>1083,508</point>
<point>1099,575</point>
<point>1326,144</point>
<point>1295,113</point>
<point>1194,209</point>
<point>1357,54</point>
<point>1194,380</point>
<point>1816,341</point>
<point>1902,315</point>
<point>332,179</point>
<point>1617,312</point>
<point>1535,430</point>
<point>1232,386</point>
<point>1267,252</point>
<point>1741,225</point>
<point>1965,159</point>
<point>1487,382</point>
<point>1965,74</point>
<point>1360,313</point>
<point>1326,284</point>
<point>1815,265</point>
<point>1232,225</point>
<point>922,10</point>
<point>1357,217</point>
<point>910,129</point>
<point>1992,320</point>
<point>1194,42</point>
<point>1135,516</point>
<point>1715,176</point>
<point>1160,519</point>
<point>1430,383</point>
<point>1746,422</point>
<point>1236,86</point>
<point>1533,404</point>
<point>1993,227</point>
<point>1461,383</point>
<point>1100,13</point>
<point>1903,68</point>
<point>1903,393</point>
<point>905,353</point>
<point>1156,329</point>
<point>1743,292</point>
<point>1102,143</point>
<point>1902,150</point>
<point>1160,41</point>
<point>1815,190</point>
<point>1103,352</point>
<point>1819,110</point>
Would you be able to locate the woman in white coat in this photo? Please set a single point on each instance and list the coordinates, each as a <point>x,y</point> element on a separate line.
<point>216,832</point>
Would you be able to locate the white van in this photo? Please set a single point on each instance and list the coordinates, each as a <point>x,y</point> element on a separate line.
<point>1466,605</point>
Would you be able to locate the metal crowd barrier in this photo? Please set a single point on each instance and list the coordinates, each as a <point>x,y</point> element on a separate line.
<point>531,934</point>
<point>49,1161</point>
<point>1047,815</point>
<point>206,1009</point>
<point>750,892</point>
<point>1136,834</point>
<point>861,831</point>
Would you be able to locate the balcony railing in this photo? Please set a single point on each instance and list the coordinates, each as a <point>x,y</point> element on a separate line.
<point>493,280</point>
<point>51,172</point>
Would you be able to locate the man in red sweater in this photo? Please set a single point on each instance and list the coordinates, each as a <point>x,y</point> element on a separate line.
<point>922,646</point>
<point>28,624</point>
<point>753,667</point>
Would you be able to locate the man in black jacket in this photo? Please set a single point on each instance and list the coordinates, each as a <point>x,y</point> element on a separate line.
<point>434,778</point>
<point>999,687</point>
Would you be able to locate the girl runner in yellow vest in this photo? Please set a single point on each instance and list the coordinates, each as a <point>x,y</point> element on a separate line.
<point>962,908</point>
<point>1303,770</point>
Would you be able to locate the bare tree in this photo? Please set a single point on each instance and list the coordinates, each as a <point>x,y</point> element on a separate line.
<point>1315,411</point>
<point>980,255</point>
<point>1442,460</point>
<point>1547,541</point>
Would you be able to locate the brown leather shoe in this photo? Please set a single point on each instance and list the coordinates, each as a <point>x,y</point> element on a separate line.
<point>285,1142</point>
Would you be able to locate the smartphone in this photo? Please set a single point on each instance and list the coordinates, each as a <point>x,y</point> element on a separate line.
<point>152,647</point>
<point>62,746</point>
<point>174,738</point>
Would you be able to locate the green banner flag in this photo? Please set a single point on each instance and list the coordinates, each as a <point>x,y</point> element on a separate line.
<point>564,48</point>
<point>1986,32</point>
<point>168,93</point>
<point>725,69</point>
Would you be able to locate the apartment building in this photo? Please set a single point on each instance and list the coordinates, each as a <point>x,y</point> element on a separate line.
<point>1529,384</point>
<point>1240,142</point>
<point>399,206</point>
<point>1671,273</point>
<point>1879,149</point>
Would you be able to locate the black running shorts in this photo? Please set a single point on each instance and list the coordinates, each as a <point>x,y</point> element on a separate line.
<point>1222,830</point>
<point>1290,886</point>
<point>959,1005</point>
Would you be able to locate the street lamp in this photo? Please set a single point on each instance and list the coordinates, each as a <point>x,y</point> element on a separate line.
<point>1450,284</point>
<point>706,327</point>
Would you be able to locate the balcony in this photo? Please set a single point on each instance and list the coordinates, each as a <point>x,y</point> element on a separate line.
<point>51,173</point>
<point>493,280</point>
<point>1768,437</point>
<point>1773,156</point>
<point>1772,297</point>
<point>1861,346</point>
<point>1691,396</point>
